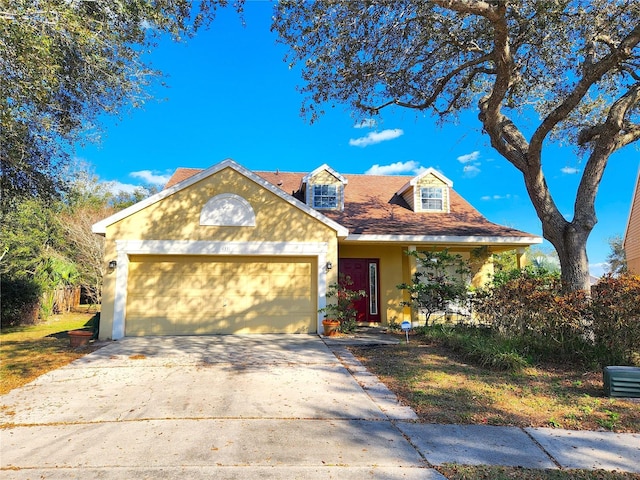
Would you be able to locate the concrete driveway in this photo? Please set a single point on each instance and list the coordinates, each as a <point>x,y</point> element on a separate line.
<point>261,406</point>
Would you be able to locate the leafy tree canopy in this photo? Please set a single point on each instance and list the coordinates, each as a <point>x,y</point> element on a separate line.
<point>573,64</point>
<point>617,258</point>
<point>64,63</point>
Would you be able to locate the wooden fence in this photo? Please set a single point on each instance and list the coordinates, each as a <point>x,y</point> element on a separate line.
<point>66,298</point>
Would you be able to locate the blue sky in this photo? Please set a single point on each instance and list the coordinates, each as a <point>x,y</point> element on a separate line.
<point>231,95</point>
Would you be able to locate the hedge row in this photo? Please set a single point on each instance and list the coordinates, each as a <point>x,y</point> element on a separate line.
<point>531,305</point>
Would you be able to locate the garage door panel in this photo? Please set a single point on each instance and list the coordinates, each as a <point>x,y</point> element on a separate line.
<point>275,308</point>
<point>192,305</point>
<point>247,286</point>
<point>147,305</point>
<point>213,283</point>
<point>193,282</point>
<point>290,267</point>
<point>149,326</point>
<point>152,286</point>
<point>174,295</point>
<point>142,283</point>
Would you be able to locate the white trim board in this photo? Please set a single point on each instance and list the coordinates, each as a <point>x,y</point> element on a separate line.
<point>443,239</point>
<point>125,248</point>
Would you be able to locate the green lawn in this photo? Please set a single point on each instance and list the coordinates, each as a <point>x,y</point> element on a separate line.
<point>443,387</point>
<point>464,472</point>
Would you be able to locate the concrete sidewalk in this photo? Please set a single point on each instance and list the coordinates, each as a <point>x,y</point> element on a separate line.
<point>508,446</point>
<point>262,406</point>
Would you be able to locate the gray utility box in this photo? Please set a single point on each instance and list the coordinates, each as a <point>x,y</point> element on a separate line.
<point>621,381</point>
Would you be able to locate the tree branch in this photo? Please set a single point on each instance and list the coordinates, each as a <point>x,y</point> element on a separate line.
<point>630,135</point>
<point>592,75</point>
<point>440,86</point>
<point>615,126</point>
<point>609,139</point>
<point>482,8</point>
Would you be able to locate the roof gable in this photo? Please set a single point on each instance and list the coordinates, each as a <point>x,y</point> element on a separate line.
<point>416,180</point>
<point>320,169</point>
<point>198,175</point>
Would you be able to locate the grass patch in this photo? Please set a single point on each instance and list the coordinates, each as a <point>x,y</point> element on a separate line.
<point>445,386</point>
<point>463,472</point>
<point>30,351</point>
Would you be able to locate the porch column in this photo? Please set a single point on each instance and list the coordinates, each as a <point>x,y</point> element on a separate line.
<point>413,268</point>
<point>521,258</point>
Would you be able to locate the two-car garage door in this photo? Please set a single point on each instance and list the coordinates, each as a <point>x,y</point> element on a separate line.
<point>195,295</point>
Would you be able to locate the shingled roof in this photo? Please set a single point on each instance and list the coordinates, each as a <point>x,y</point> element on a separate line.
<point>372,207</point>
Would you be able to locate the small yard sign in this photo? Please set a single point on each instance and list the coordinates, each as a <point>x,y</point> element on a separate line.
<point>406,326</point>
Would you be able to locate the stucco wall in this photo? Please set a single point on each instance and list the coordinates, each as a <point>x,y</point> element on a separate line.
<point>397,267</point>
<point>391,274</point>
<point>177,217</point>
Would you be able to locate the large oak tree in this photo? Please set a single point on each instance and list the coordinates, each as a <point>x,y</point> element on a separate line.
<point>63,63</point>
<point>575,63</point>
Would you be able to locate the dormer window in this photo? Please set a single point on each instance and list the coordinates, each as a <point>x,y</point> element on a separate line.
<point>428,192</point>
<point>323,188</point>
<point>431,198</point>
<point>325,196</point>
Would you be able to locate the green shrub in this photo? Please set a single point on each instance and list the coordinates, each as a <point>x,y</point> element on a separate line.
<point>479,345</point>
<point>20,302</point>
<point>530,304</point>
<point>440,280</point>
<point>616,319</point>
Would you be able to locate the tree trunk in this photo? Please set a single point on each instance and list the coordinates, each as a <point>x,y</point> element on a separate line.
<point>571,246</point>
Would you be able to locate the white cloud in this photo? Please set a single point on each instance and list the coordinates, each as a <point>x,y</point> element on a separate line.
<point>376,137</point>
<point>150,177</point>
<point>116,187</point>
<point>569,170</point>
<point>598,269</point>
<point>469,157</point>
<point>397,168</point>
<point>366,123</point>
<point>471,170</point>
<point>508,196</point>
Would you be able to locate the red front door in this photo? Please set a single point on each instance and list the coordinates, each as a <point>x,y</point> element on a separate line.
<point>364,273</point>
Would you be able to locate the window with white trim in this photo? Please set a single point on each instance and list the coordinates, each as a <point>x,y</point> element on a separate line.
<point>325,196</point>
<point>431,198</point>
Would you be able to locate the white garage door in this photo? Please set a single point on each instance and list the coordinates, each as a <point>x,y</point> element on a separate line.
<point>191,295</point>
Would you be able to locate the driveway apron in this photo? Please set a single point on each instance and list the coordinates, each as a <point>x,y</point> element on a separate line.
<point>255,406</point>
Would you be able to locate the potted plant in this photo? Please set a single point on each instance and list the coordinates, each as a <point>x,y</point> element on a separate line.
<point>340,314</point>
<point>82,337</point>
<point>79,338</point>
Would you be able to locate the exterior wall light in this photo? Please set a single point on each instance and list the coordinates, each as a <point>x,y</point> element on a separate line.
<point>329,265</point>
<point>113,264</point>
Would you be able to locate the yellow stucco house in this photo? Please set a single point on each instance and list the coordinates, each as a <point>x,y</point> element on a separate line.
<point>631,243</point>
<point>229,250</point>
